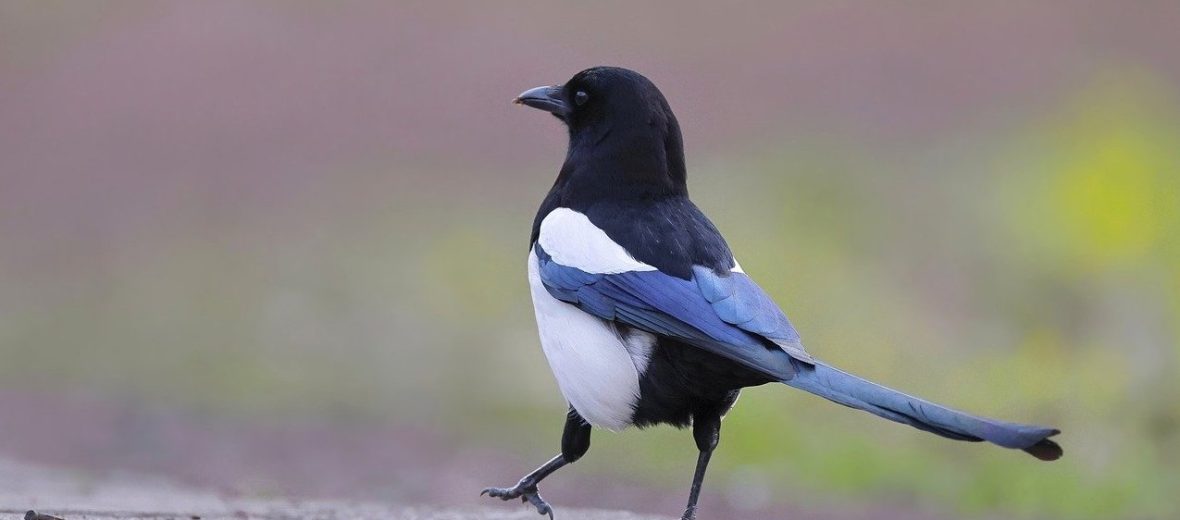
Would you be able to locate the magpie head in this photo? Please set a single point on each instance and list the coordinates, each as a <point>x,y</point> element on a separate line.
<point>600,96</point>
<point>618,122</point>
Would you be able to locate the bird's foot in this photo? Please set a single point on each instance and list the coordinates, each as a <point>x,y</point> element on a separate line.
<point>690,513</point>
<point>526,492</point>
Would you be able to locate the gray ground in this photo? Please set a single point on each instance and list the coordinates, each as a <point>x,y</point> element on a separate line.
<point>361,468</point>
<point>67,495</point>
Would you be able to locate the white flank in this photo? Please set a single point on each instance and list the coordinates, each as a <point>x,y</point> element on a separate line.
<point>595,368</point>
<point>639,344</point>
<point>573,241</point>
<point>737,268</point>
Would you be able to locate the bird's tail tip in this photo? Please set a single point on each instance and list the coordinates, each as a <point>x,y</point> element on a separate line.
<point>849,390</point>
<point>1045,449</point>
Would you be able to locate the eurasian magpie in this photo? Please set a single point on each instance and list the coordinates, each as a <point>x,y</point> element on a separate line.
<point>645,316</point>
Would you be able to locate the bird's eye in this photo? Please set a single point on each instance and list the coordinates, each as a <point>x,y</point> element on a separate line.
<point>581,97</point>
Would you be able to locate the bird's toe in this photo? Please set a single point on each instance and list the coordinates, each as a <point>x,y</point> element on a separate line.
<point>542,506</point>
<point>502,493</point>
<point>526,493</point>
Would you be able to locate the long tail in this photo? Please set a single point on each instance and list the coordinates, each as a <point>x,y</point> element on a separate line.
<point>849,390</point>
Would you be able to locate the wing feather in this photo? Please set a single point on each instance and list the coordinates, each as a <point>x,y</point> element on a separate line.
<point>727,315</point>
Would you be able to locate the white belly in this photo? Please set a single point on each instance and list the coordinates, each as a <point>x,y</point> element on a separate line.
<point>597,370</point>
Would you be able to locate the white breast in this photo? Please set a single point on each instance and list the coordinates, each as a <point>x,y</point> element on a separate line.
<point>597,370</point>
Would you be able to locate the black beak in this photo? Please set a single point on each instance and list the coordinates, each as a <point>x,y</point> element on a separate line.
<point>548,99</point>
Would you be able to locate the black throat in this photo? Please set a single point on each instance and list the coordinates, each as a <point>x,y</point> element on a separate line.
<point>619,161</point>
<point>625,159</point>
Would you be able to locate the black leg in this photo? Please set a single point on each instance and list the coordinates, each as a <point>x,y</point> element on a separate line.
<point>706,430</point>
<point>575,441</point>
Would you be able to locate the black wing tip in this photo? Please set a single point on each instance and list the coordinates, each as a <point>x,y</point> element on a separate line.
<point>1046,449</point>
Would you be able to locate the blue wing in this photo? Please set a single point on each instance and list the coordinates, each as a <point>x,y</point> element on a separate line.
<point>726,314</point>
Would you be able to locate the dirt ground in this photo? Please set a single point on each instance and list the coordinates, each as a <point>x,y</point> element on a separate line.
<point>66,495</point>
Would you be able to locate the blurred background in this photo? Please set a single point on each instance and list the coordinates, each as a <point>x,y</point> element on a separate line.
<point>277,248</point>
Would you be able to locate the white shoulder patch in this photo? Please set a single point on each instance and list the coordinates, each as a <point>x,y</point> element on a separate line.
<point>573,241</point>
<point>737,268</point>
